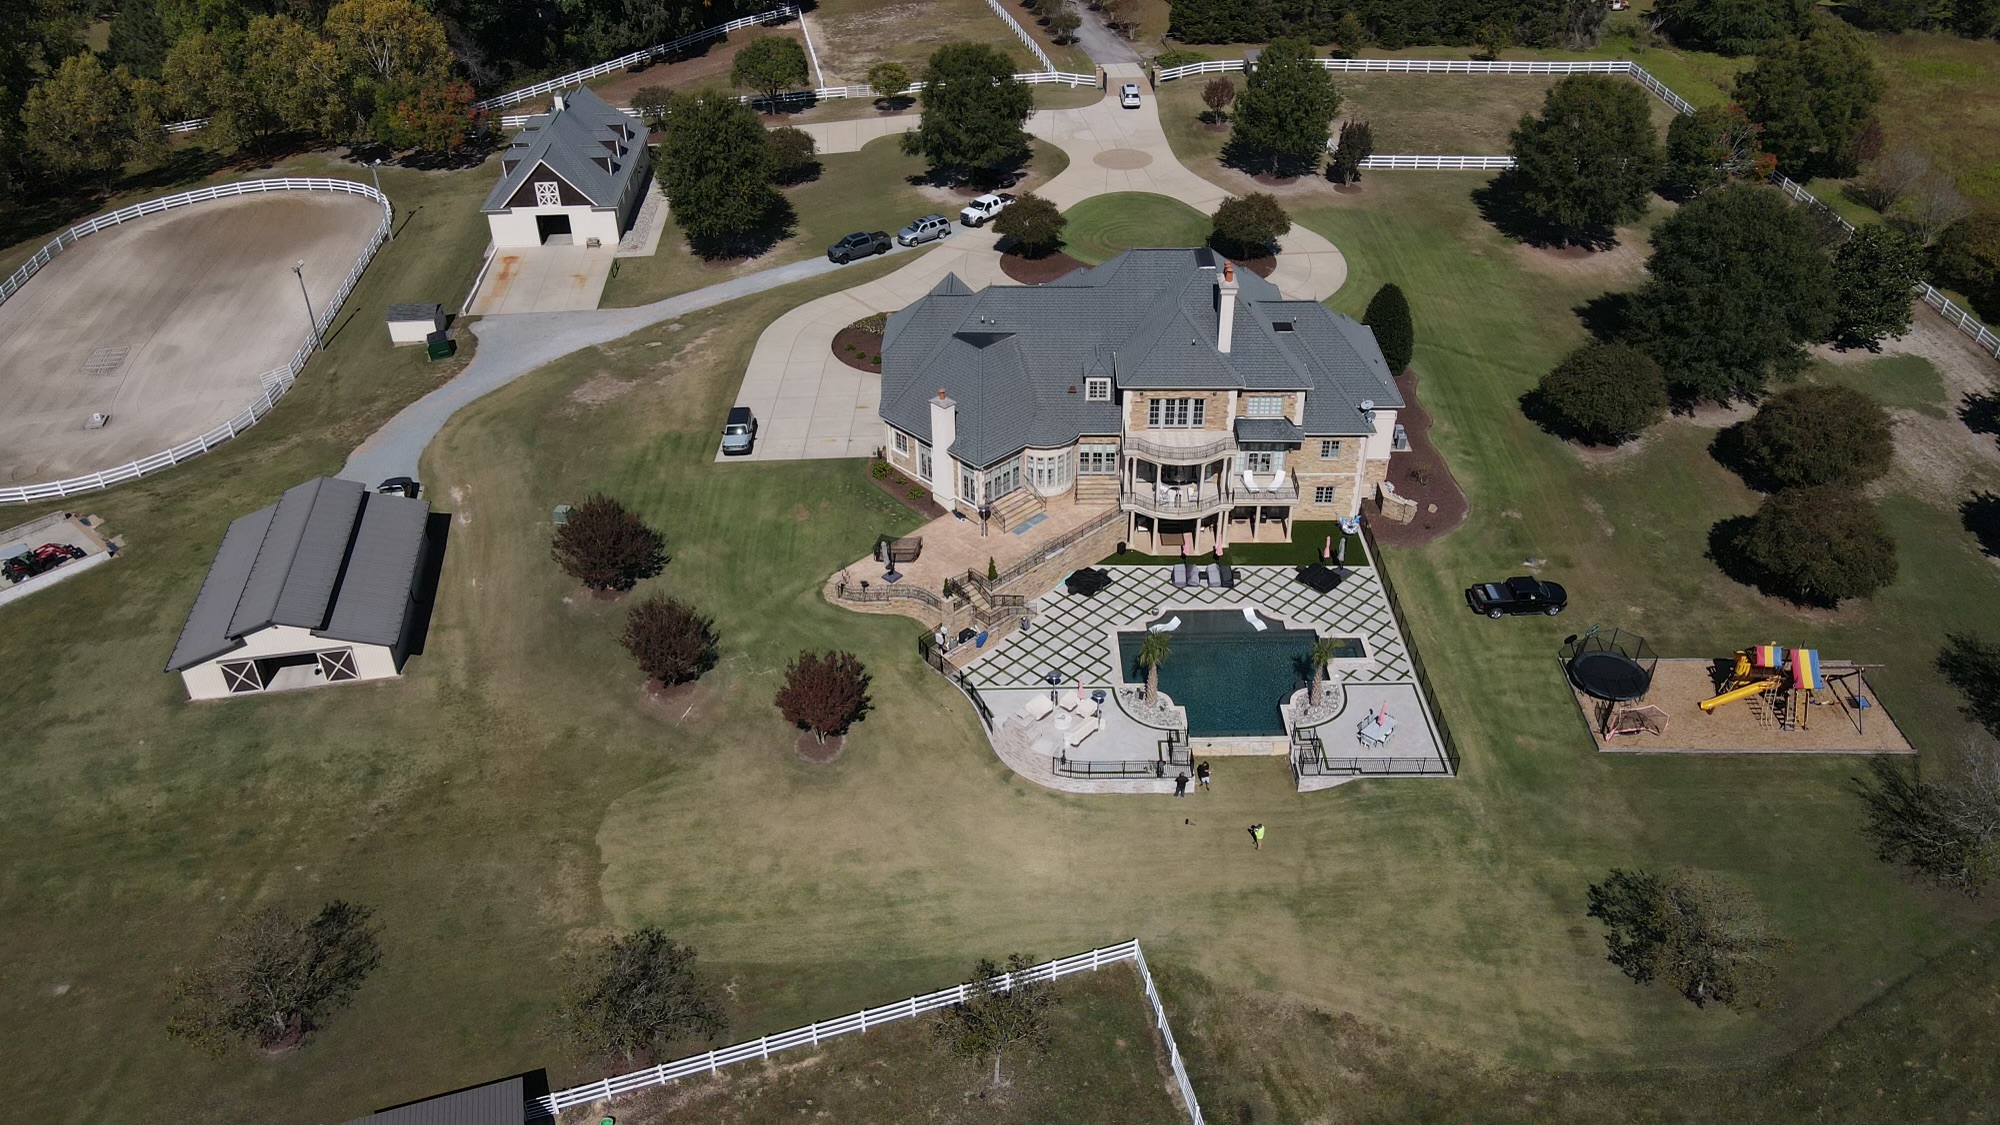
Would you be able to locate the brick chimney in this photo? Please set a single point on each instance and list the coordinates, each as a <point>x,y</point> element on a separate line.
<point>944,431</point>
<point>1225,307</point>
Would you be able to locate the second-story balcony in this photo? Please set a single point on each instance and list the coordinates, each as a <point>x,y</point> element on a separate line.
<point>1179,447</point>
<point>1189,501</point>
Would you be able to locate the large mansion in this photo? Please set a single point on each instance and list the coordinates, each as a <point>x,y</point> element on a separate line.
<point>1205,405</point>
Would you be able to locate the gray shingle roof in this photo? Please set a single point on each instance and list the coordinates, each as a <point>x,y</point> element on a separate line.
<point>496,1103</point>
<point>1269,429</point>
<point>328,557</point>
<point>400,312</point>
<point>1015,357</point>
<point>569,142</point>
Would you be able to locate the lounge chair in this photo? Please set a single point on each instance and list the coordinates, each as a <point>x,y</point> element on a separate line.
<point>1255,621</point>
<point>1250,480</point>
<point>1278,481</point>
<point>1183,574</point>
<point>1083,730</point>
<point>1037,707</point>
<point>1166,626</point>
<point>1212,576</point>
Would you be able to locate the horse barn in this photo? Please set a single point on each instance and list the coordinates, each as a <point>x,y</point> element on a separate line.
<point>573,176</point>
<point>319,588</point>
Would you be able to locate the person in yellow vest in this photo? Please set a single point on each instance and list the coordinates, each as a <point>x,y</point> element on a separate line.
<point>1257,836</point>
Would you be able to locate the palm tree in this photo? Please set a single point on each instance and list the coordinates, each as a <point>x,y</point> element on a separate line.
<point>1153,652</point>
<point>1323,652</point>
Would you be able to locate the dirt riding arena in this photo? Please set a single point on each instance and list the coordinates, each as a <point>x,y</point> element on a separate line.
<point>164,324</point>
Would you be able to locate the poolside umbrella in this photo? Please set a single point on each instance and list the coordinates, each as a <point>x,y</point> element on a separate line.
<point>1342,552</point>
<point>1326,549</point>
<point>1184,546</point>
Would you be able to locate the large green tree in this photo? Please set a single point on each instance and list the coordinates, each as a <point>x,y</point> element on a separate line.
<point>1818,546</point>
<point>1732,27</point>
<point>1817,434</point>
<point>1945,829</point>
<point>1034,223</point>
<point>628,996</point>
<point>78,122</point>
<point>1706,939</point>
<point>1604,394</point>
<point>1712,146</point>
<point>1813,97</point>
<point>716,168</point>
<point>1590,160</point>
<point>1967,258</point>
<point>974,111</point>
<point>1249,226</point>
<point>1738,284</point>
<point>1003,1011</point>
<point>273,977</point>
<point>770,65</point>
<point>1285,114</point>
<point>1875,273</point>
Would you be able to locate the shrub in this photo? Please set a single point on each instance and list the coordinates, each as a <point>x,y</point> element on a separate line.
<point>1218,94</point>
<point>670,641</point>
<point>888,79</point>
<point>1819,546</point>
<point>1063,23</point>
<point>1034,223</point>
<point>918,493</point>
<point>1605,394</point>
<point>606,547</point>
<point>879,470</point>
<point>1248,226</point>
<point>1179,56</point>
<point>1708,940</point>
<point>274,976</point>
<point>628,996</point>
<point>1875,273</point>
<point>1812,435</point>
<point>1389,316</point>
<point>824,694</point>
<point>1357,143</point>
<point>1967,258</point>
<point>652,103</point>
<point>794,155</point>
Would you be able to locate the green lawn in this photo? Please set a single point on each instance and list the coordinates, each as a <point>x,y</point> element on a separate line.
<point>866,190</point>
<point>857,34</point>
<point>1938,97</point>
<point>1104,226</point>
<point>1907,382</point>
<point>1104,1064</point>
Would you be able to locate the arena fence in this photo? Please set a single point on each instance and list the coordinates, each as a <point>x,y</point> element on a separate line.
<point>1021,33</point>
<point>275,382</point>
<point>648,54</point>
<point>712,1062</point>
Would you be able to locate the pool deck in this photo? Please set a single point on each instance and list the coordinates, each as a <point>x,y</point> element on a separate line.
<point>1074,638</point>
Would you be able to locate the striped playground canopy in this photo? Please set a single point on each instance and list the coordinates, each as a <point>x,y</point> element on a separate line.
<point>1768,656</point>
<point>1805,670</point>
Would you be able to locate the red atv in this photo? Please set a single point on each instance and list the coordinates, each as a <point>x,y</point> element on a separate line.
<point>42,559</point>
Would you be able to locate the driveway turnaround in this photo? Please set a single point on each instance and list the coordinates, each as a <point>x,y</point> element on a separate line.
<point>537,279</point>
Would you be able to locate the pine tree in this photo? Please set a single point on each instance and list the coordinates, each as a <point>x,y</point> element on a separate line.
<point>1389,316</point>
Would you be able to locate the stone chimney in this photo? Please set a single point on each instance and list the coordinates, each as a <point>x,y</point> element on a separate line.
<point>1225,307</point>
<point>944,431</point>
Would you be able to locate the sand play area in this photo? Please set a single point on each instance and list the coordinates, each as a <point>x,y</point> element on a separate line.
<point>1679,686</point>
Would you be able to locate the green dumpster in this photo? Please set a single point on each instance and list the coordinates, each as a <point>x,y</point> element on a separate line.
<point>440,346</point>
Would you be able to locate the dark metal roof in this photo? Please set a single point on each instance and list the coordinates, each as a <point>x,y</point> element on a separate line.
<point>328,556</point>
<point>570,142</point>
<point>1015,357</point>
<point>1269,429</point>
<point>416,312</point>
<point>496,1103</point>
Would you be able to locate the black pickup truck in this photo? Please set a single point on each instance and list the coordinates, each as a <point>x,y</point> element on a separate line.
<point>860,244</point>
<point>1516,597</point>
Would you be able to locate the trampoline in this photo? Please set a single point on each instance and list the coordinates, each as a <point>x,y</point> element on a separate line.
<point>1616,667</point>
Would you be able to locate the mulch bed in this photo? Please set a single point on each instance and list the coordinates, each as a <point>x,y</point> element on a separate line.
<point>1039,271</point>
<point>866,345</point>
<point>1272,179</point>
<point>900,492</point>
<point>817,752</point>
<point>1441,491</point>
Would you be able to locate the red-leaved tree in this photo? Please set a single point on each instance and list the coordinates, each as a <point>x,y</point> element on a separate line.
<point>670,641</point>
<point>824,693</point>
<point>606,547</point>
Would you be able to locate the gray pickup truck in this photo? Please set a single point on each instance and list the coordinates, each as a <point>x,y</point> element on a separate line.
<point>860,244</point>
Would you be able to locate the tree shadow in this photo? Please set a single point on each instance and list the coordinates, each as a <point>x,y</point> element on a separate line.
<point>804,173</point>
<point>1981,413</point>
<point>779,223</point>
<point>1610,318</point>
<point>1727,549</point>
<point>1731,450</point>
<point>1255,161</point>
<point>1535,408</point>
<point>1981,516</point>
<point>40,213</point>
<point>1500,203</point>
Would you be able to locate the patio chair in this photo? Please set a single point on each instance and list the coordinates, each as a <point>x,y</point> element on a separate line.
<point>1069,702</point>
<point>1037,707</point>
<point>1250,480</point>
<point>1278,481</point>
<point>1083,730</point>
<point>1166,626</point>
<point>1183,574</point>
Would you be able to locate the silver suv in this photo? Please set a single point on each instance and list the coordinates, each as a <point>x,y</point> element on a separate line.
<point>924,230</point>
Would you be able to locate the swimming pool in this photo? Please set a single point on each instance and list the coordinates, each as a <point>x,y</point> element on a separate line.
<point>1230,677</point>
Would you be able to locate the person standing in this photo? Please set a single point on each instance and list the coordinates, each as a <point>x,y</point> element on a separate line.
<point>1180,784</point>
<point>1257,836</point>
<point>1201,774</point>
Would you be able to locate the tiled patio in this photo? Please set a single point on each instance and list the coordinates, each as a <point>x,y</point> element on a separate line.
<point>953,546</point>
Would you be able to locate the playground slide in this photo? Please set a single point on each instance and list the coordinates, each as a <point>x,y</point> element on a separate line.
<point>1734,694</point>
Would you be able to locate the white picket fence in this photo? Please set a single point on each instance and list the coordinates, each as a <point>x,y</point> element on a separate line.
<point>833,93</point>
<point>1021,33</point>
<point>1435,163</point>
<point>711,1062</point>
<point>564,82</point>
<point>275,381</point>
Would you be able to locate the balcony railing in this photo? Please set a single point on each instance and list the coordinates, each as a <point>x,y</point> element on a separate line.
<point>1154,449</point>
<point>1189,500</point>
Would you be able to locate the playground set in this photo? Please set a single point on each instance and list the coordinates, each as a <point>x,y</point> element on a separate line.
<point>1792,700</point>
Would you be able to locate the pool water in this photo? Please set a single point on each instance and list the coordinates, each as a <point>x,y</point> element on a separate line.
<point>1230,677</point>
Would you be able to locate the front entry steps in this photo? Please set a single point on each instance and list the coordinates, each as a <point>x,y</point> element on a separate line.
<point>1017,508</point>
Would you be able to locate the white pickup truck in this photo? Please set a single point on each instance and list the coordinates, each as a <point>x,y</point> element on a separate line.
<point>981,211</point>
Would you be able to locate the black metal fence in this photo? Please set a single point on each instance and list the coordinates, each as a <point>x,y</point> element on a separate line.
<point>1318,766</point>
<point>935,658</point>
<point>1445,739</point>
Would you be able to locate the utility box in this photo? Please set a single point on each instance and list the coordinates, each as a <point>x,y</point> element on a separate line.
<point>440,345</point>
<point>414,324</point>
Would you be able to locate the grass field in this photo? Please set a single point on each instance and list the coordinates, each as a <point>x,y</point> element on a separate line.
<point>1104,1064</point>
<point>1104,226</point>
<point>1938,96</point>
<point>858,34</point>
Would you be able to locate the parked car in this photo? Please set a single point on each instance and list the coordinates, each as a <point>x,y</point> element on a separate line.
<point>924,230</point>
<point>860,244</point>
<point>41,560</point>
<point>739,431</point>
<point>399,486</point>
<point>1128,95</point>
<point>1515,597</point>
<point>980,211</point>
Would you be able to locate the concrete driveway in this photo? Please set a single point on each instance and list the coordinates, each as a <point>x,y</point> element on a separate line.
<point>541,279</point>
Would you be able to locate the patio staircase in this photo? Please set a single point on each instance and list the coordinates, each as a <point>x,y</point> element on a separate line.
<point>1096,490</point>
<point>1017,508</point>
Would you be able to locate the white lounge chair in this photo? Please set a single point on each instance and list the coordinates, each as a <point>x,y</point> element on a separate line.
<point>1083,730</point>
<point>1166,626</point>
<point>1278,481</point>
<point>1255,621</point>
<point>1037,707</point>
<point>1250,480</point>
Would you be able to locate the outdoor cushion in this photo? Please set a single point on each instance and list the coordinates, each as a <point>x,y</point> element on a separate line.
<point>1037,706</point>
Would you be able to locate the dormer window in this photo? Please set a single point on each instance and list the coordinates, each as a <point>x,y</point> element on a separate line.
<point>1264,406</point>
<point>1097,389</point>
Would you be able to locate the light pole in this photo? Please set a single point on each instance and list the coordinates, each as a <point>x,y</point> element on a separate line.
<point>299,268</point>
<point>377,177</point>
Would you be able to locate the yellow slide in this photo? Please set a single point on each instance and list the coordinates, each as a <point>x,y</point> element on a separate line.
<point>1734,694</point>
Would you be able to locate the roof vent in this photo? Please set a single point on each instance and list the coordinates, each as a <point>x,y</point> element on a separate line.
<point>1282,326</point>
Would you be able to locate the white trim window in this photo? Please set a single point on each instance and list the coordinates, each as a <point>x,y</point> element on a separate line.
<point>1048,472</point>
<point>1097,388</point>
<point>1096,460</point>
<point>1323,494</point>
<point>902,443</point>
<point>1329,450</point>
<point>1264,406</point>
<point>924,460</point>
<point>547,194</point>
<point>1176,413</point>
